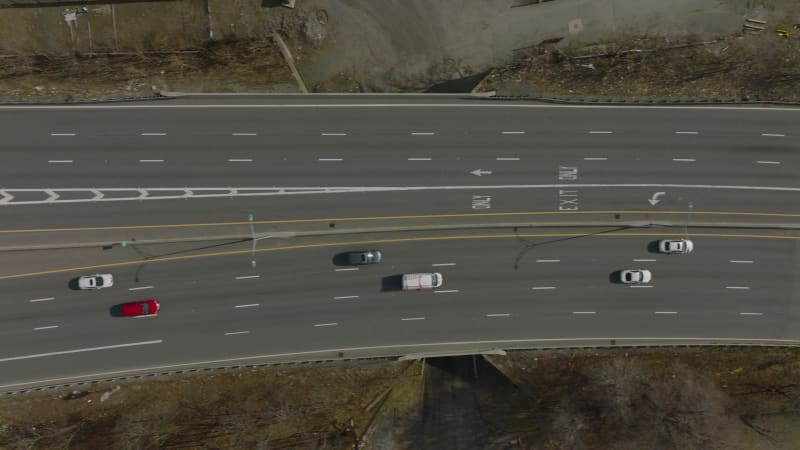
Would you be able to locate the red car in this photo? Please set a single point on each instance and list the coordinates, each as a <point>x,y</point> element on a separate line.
<point>140,308</point>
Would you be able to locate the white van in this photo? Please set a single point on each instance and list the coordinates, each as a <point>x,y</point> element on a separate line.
<point>421,281</point>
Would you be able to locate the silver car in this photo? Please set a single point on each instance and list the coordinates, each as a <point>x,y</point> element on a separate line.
<point>364,257</point>
<point>635,276</point>
<point>682,246</point>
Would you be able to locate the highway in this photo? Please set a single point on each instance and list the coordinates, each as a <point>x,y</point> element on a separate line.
<point>437,184</point>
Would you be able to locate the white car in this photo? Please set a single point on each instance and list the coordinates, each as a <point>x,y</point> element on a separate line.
<point>635,276</point>
<point>675,246</point>
<point>98,281</point>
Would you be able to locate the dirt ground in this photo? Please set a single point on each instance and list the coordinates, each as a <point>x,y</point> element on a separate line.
<point>136,49</point>
<point>671,398</point>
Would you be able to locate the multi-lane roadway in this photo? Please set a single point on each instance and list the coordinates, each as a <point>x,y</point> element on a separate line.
<point>526,209</point>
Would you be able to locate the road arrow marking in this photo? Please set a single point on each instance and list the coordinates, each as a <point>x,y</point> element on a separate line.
<point>655,198</point>
<point>52,195</point>
<point>6,197</point>
<point>480,172</point>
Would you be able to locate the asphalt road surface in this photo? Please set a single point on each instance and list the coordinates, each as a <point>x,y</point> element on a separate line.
<point>94,174</point>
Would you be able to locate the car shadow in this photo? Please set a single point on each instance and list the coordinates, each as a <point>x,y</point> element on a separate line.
<point>115,311</point>
<point>652,247</point>
<point>340,259</point>
<point>73,284</point>
<point>614,277</point>
<point>392,283</point>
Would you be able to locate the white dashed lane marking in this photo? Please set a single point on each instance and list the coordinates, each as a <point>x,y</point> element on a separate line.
<point>243,134</point>
<point>412,318</point>
<point>684,159</point>
<point>60,161</point>
<point>641,286</point>
<point>741,261</point>
<point>240,160</point>
<point>140,288</point>
<point>543,288</point>
<point>773,134</point>
<point>249,305</point>
<point>451,291</point>
<point>62,134</point>
<point>548,260</point>
<point>443,264</point>
<point>45,328</point>
<point>231,333</point>
<point>584,312</point>
<point>422,133</point>
<point>42,299</point>
<point>595,159</point>
<point>345,297</point>
<point>151,160</point>
<point>334,134</point>
<point>686,132</point>
<point>419,159</point>
<point>507,159</point>
<point>741,288</point>
<point>601,132</point>
<point>513,132</point>
<point>751,314</point>
<point>330,159</point>
<point>666,312</point>
<point>499,315</point>
<point>768,162</point>
<point>332,324</point>
<point>247,277</point>
<point>346,269</point>
<point>154,134</point>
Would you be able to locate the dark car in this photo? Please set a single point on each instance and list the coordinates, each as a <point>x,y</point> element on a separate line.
<point>140,308</point>
<point>364,257</point>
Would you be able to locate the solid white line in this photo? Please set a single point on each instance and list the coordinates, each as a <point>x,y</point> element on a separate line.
<point>666,312</point>
<point>413,318</point>
<point>246,277</point>
<point>62,134</point>
<point>513,132</point>
<point>644,260</point>
<point>750,314</point>
<point>346,269</point>
<point>583,312</point>
<point>741,261</point>
<point>345,297</point>
<point>744,288</point>
<point>332,324</point>
<point>601,132</point>
<point>250,305</point>
<point>56,161</point>
<point>80,350</point>
<point>241,160</point>
<point>329,159</point>
<point>548,260</point>
<point>498,315</point>
<point>641,286</point>
<point>154,134</point>
<point>595,159</point>
<point>686,132</point>
<point>543,288</point>
<point>243,134</point>
<point>231,333</point>
<point>419,159</point>
<point>42,299</point>
<point>151,160</point>
<point>451,291</point>
<point>334,134</point>
<point>443,264</point>
<point>772,135</point>
<point>140,288</point>
<point>684,159</point>
<point>507,159</point>
<point>768,162</point>
<point>45,328</point>
<point>425,133</point>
